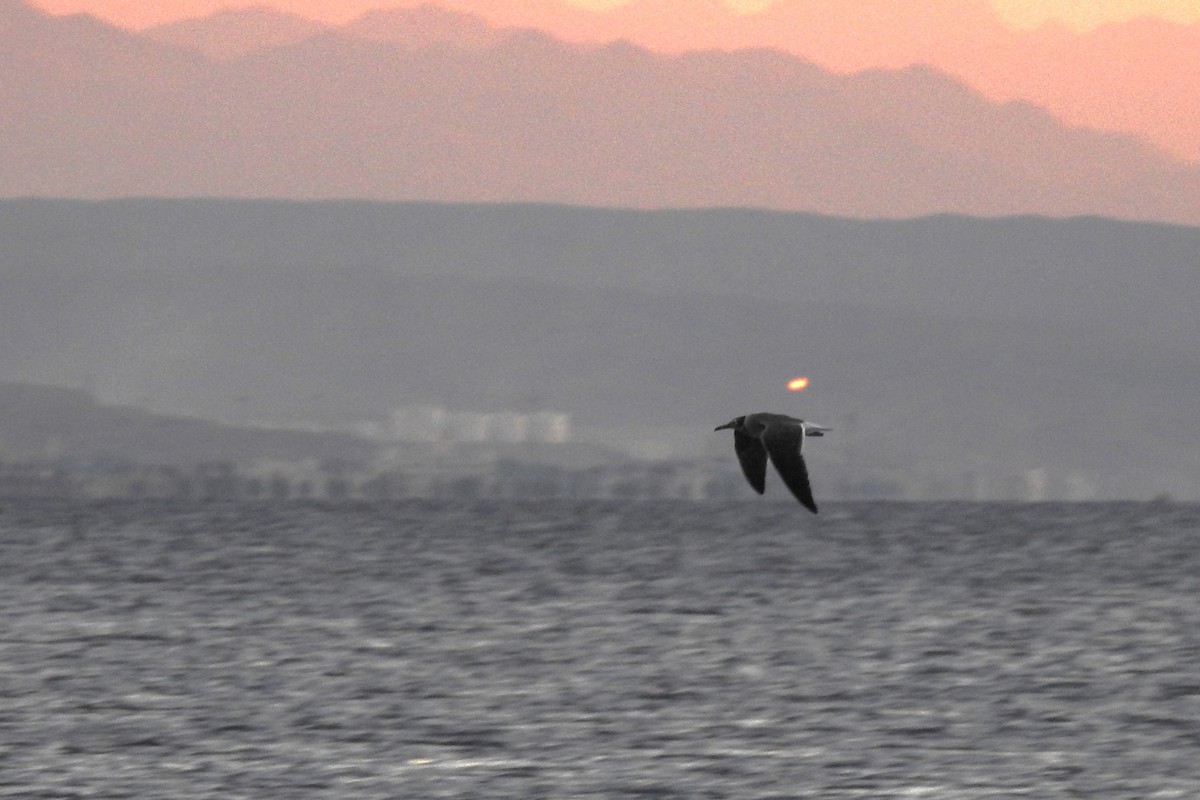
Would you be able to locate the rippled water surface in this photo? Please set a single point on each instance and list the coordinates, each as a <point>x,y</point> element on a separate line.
<point>565,649</point>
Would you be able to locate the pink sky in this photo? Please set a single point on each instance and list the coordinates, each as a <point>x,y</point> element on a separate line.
<point>1080,14</point>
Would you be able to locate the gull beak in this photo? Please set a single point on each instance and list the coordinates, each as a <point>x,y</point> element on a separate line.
<point>813,429</point>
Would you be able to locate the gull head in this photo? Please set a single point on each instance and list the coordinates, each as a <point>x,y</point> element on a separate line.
<point>813,429</point>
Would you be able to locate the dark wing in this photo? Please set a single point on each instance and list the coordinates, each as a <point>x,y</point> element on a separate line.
<point>783,441</point>
<point>753,458</point>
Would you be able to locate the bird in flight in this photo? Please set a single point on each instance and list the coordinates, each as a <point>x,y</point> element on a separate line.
<point>781,438</point>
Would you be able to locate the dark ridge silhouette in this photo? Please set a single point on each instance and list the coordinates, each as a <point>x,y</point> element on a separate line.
<point>1015,342</point>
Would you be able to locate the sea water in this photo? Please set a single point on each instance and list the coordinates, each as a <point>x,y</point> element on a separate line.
<point>571,649</point>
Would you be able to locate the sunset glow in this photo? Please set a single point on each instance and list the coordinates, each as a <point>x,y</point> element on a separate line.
<point>1085,15</point>
<point>798,384</point>
<point>1019,13</point>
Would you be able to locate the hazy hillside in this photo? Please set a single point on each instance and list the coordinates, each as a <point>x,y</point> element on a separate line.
<point>38,422</point>
<point>945,343</point>
<point>1137,76</point>
<point>1135,280</point>
<point>1134,76</point>
<point>108,113</point>
<point>233,33</point>
<point>238,32</point>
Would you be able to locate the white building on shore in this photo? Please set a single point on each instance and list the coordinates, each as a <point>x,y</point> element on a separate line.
<point>437,424</point>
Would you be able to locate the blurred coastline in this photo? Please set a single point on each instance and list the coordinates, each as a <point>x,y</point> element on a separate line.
<point>61,443</point>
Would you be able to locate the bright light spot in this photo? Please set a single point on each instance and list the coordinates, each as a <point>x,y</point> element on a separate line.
<point>797,384</point>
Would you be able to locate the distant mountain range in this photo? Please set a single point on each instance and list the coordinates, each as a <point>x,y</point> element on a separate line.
<point>943,344</point>
<point>1134,76</point>
<point>1138,75</point>
<point>236,33</point>
<point>427,105</point>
